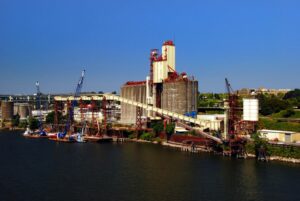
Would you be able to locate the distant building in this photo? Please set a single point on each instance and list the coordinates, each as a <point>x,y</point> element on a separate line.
<point>272,91</point>
<point>250,92</point>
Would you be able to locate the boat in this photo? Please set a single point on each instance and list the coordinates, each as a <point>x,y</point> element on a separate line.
<point>35,134</point>
<point>67,139</point>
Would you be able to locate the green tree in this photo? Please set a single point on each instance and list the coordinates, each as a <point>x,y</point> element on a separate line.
<point>23,124</point>
<point>170,128</point>
<point>158,128</point>
<point>51,117</point>
<point>33,123</point>
<point>259,143</point>
<point>15,120</point>
<point>272,104</point>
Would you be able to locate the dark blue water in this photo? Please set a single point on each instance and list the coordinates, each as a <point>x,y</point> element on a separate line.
<point>39,169</point>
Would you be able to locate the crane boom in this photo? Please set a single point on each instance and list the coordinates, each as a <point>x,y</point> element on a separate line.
<point>73,103</point>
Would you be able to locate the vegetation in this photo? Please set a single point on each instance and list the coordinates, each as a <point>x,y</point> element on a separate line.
<point>15,120</point>
<point>273,124</point>
<point>129,134</point>
<point>23,124</point>
<point>289,113</point>
<point>158,127</point>
<point>147,136</point>
<point>170,128</point>
<point>293,97</point>
<point>33,123</point>
<point>210,99</point>
<point>51,117</point>
<point>272,150</point>
<point>272,104</point>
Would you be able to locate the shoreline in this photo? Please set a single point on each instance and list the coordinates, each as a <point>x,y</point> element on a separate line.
<point>187,148</point>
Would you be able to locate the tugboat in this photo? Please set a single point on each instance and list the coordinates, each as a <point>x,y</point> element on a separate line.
<point>62,137</point>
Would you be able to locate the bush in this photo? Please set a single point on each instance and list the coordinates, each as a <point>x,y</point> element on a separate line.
<point>15,120</point>
<point>158,128</point>
<point>147,136</point>
<point>288,113</point>
<point>131,136</point>
<point>23,124</point>
<point>33,123</point>
<point>170,128</point>
<point>272,150</point>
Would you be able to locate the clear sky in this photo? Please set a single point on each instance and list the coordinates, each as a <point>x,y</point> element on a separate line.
<point>253,43</point>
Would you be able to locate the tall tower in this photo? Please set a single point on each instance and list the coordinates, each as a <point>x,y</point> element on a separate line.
<point>160,67</point>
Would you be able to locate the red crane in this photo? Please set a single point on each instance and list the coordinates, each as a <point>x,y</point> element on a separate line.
<point>232,111</point>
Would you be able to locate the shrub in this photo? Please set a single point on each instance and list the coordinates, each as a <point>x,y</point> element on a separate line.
<point>147,136</point>
<point>23,124</point>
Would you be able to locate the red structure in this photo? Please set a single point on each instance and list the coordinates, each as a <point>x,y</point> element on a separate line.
<point>104,112</point>
<point>233,117</point>
<point>139,123</point>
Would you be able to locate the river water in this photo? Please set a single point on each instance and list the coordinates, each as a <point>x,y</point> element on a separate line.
<point>40,169</point>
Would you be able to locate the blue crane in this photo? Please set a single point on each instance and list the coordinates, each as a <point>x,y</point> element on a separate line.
<point>73,103</point>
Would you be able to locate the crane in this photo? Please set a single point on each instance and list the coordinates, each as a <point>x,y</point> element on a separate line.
<point>236,144</point>
<point>73,103</point>
<point>232,106</point>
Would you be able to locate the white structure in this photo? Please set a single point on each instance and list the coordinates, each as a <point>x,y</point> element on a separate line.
<point>165,63</point>
<point>211,121</point>
<point>280,136</point>
<point>87,115</point>
<point>250,109</point>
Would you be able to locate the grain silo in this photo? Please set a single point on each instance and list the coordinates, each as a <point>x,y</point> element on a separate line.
<point>135,91</point>
<point>164,87</point>
<point>7,108</point>
<point>180,96</point>
<point>24,110</point>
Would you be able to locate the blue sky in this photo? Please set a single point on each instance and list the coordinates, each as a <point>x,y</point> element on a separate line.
<point>253,43</point>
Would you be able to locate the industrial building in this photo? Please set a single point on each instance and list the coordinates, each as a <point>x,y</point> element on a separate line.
<point>163,88</point>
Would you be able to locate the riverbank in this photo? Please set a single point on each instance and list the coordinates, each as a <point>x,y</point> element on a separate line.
<point>198,149</point>
<point>188,148</point>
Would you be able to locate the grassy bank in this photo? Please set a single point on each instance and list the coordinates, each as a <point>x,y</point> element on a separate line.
<point>273,124</point>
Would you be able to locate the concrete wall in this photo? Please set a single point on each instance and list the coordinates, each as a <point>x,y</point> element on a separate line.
<point>180,96</point>
<point>136,93</point>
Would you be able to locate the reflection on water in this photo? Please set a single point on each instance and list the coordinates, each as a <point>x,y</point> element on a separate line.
<point>39,169</point>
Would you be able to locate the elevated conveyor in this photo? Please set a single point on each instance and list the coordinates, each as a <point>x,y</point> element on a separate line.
<point>160,111</point>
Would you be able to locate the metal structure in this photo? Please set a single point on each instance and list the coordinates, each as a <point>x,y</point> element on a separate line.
<point>72,105</point>
<point>232,115</point>
<point>236,144</point>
